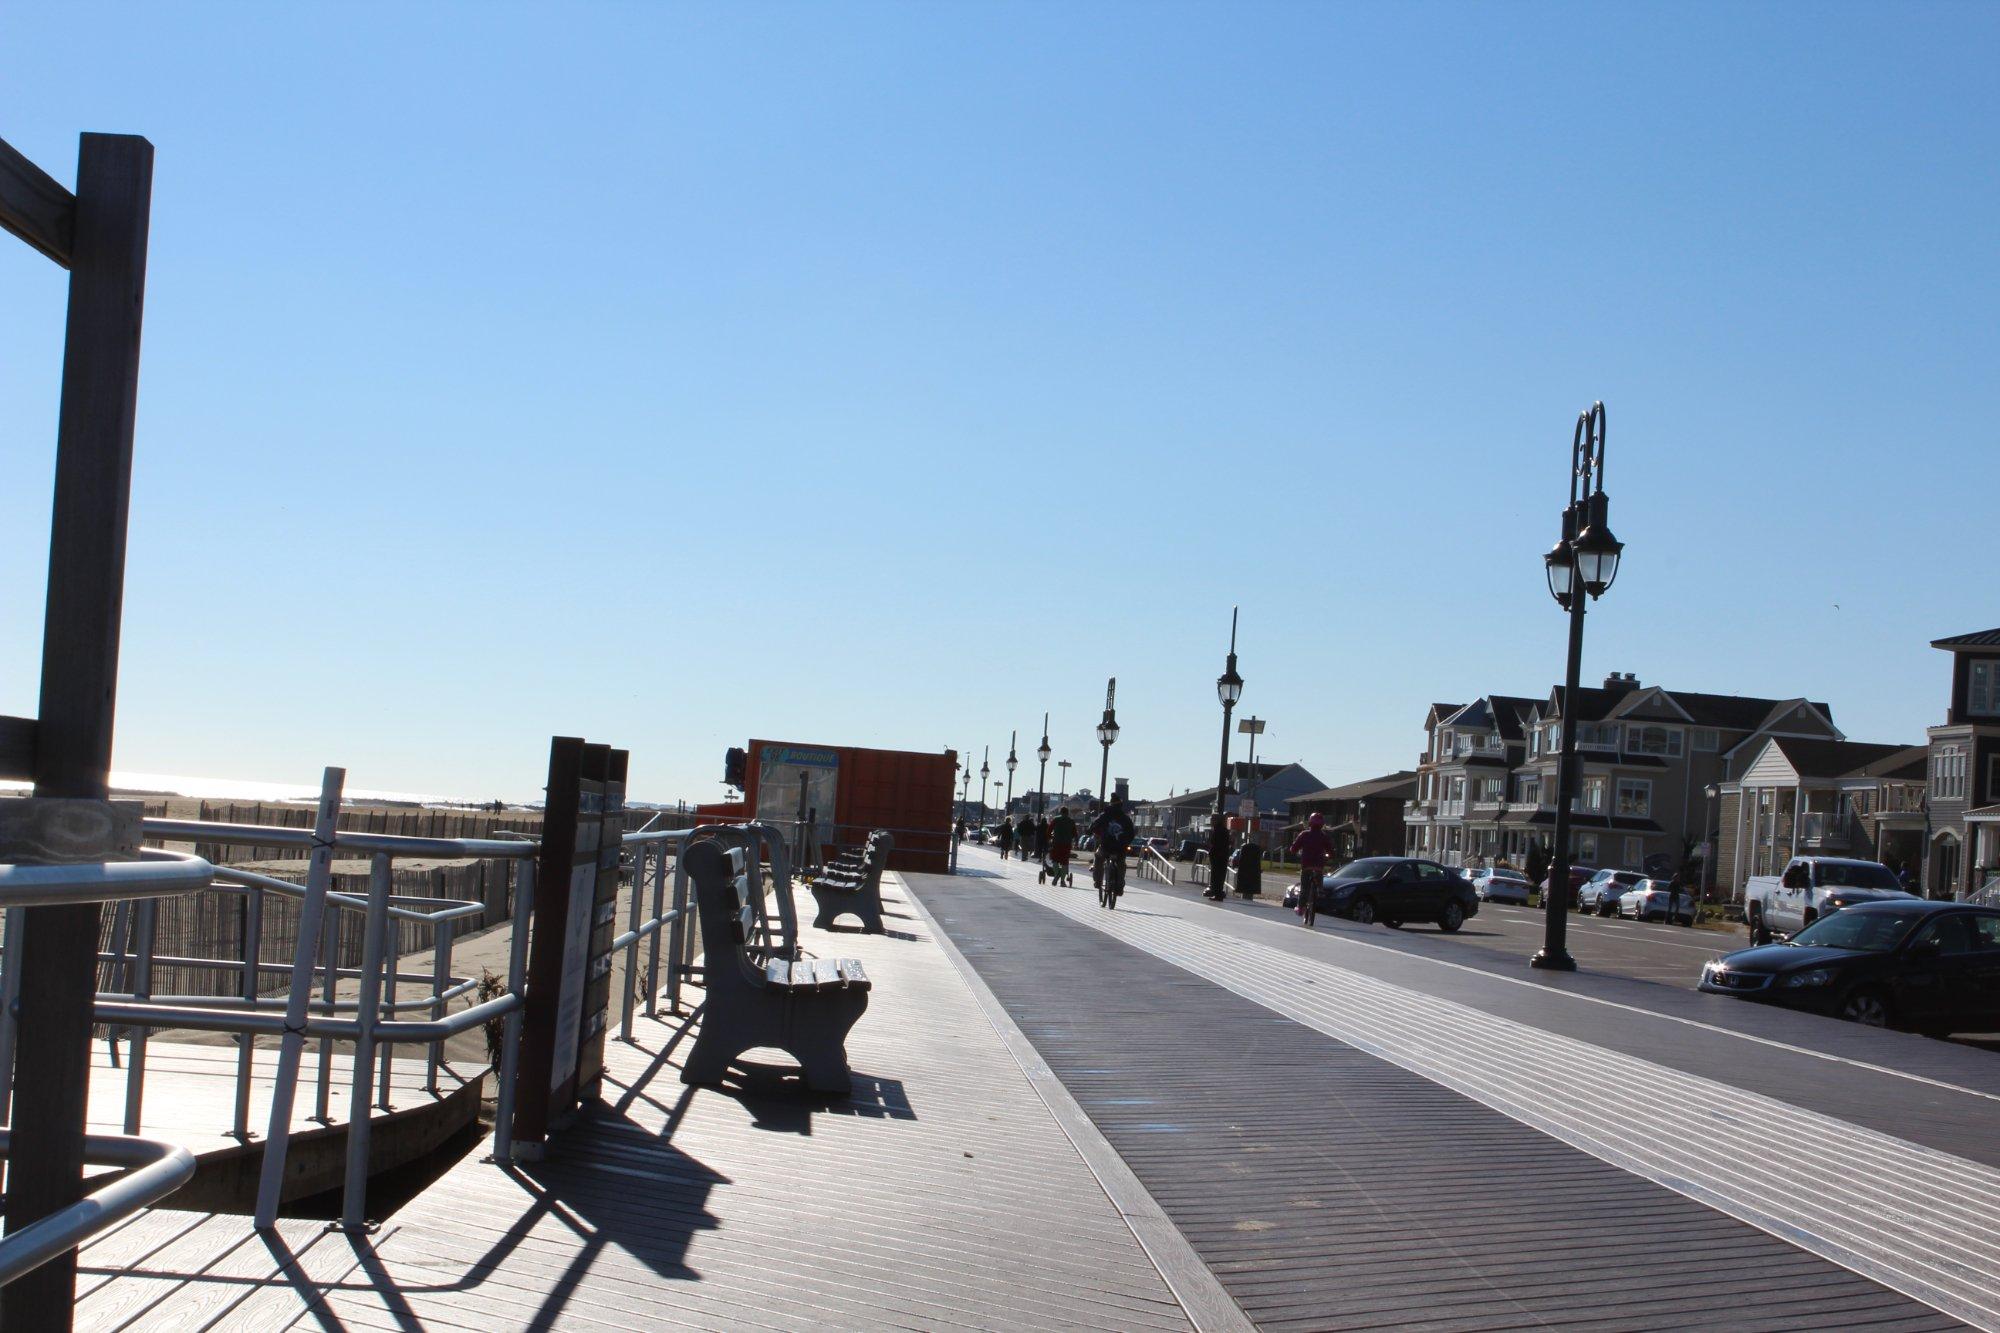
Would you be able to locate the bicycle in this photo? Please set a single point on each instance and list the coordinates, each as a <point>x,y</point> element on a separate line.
<point>1113,881</point>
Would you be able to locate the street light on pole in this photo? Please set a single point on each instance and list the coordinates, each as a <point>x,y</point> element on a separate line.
<point>984,808</point>
<point>1253,727</point>
<point>1013,762</point>
<point>1711,791</point>
<point>1063,764</point>
<point>1581,567</point>
<point>1107,735</point>
<point>1228,688</point>
<point>1042,779</point>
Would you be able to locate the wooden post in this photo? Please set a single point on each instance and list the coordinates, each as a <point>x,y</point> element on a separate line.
<point>535,1069</point>
<point>100,396</point>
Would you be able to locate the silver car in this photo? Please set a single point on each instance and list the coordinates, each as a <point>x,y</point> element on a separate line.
<point>1600,893</point>
<point>1501,886</point>
<point>1655,900</point>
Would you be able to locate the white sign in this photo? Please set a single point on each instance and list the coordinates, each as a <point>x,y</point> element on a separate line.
<point>1247,807</point>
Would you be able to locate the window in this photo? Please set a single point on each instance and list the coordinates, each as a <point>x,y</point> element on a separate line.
<point>1555,740</point>
<point>1982,688</point>
<point>1653,740</point>
<point>1529,791</point>
<point>1491,790</point>
<point>1993,777</point>
<point>1586,848</point>
<point>1635,851</point>
<point>1591,798</point>
<point>1705,739</point>
<point>1601,734</point>
<point>1635,797</point>
<point>1948,773</point>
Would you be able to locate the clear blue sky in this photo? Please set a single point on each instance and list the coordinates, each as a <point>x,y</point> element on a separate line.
<point>891,374</point>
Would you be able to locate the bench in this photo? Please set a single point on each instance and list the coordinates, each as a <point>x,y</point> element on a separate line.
<point>842,891</point>
<point>804,1008</point>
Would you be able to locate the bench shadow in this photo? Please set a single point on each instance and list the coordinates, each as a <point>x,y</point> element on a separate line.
<point>779,1102</point>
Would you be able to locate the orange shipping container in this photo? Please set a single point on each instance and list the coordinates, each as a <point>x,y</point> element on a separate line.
<point>906,792</point>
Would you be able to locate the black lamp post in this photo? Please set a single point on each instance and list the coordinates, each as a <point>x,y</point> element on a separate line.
<point>1581,566</point>
<point>1013,762</point>
<point>1064,765</point>
<point>1042,779</point>
<point>985,785</point>
<point>1107,736</point>
<point>1707,881</point>
<point>1228,688</point>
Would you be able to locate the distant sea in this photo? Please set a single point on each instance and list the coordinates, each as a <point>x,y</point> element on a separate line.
<point>243,789</point>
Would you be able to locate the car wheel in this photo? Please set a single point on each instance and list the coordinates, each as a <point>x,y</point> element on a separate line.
<point>1760,934</point>
<point>1453,918</point>
<point>1866,1006</point>
<point>1363,911</point>
<point>1393,922</point>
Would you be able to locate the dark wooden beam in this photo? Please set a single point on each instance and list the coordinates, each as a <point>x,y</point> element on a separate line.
<point>34,207</point>
<point>17,749</point>
<point>100,400</point>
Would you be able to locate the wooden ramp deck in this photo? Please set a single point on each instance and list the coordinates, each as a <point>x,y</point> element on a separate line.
<point>944,1194</point>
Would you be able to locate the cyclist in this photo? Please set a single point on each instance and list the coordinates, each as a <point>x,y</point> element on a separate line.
<point>1114,835</point>
<point>1062,835</point>
<point>1313,847</point>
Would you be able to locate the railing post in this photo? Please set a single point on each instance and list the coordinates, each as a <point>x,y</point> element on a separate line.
<point>510,1041</point>
<point>393,951</point>
<point>677,940</point>
<point>653,943</point>
<point>354,1194</point>
<point>253,981</point>
<point>323,1106</point>
<point>142,990</point>
<point>121,972</point>
<point>441,937</point>
<point>632,949</point>
<point>10,995</point>
<point>271,1183</point>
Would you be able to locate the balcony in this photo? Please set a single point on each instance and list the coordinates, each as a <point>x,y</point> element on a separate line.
<point>1451,809</point>
<point>1824,832</point>
<point>1416,810</point>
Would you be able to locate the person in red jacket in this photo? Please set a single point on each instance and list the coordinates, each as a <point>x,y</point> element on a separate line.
<point>1313,848</point>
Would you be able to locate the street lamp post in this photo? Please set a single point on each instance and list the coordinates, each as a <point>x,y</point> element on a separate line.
<point>1064,765</point>
<point>985,785</point>
<point>1581,567</point>
<point>1711,791</point>
<point>1107,736</point>
<point>1013,762</point>
<point>1042,778</point>
<point>1228,688</point>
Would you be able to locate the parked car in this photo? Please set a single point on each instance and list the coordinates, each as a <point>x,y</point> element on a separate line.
<point>1601,891</point>
<point>1929,966</point>
<point>1154,844</point>
<point>1810,888</point>
<point>1578,876</point>
<point>977,835</point>
<point>1397,889</point>
<point>1657,900</point>
<point>1191,849</point>
<point>1501,886</point>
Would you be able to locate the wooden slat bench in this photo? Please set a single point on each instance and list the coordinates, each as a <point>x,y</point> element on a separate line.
<point>804,1008</point>
<point>839,893</point>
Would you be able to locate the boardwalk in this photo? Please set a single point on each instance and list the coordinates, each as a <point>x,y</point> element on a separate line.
<point>945,1195</point>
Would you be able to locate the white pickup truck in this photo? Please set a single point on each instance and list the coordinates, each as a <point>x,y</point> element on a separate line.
<point>1811,887</point>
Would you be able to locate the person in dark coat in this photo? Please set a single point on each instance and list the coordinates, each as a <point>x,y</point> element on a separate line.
<point>1218,857</point>
<point>1041,837</point>
<point>1005,837</point>
<point>1024,836</point>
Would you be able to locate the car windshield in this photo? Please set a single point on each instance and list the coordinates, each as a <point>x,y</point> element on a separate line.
<point>1856,875</point>
<point>1864,932</point>
<point>1370,867</point>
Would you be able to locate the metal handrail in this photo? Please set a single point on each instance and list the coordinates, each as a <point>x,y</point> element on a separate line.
<point>160,874</point>
<point>272,835</point>
<point>158,1169</point>
<point>1163,871</point>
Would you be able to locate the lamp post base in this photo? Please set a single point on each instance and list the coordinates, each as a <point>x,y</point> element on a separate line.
<point>1557,961</point>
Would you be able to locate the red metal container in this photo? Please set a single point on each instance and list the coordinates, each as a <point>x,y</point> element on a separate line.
<point>903,791</point>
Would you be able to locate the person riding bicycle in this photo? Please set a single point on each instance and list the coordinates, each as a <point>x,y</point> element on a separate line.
<point>1114,836</point>
<point>1062,836</point>
<point>1313,848</point>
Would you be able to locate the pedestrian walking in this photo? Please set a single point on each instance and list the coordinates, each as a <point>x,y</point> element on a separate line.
<point>1024,836</point>
<point>1218,853</point>
<point>1004,835</point>
<point>1041,838</point>
<point>1062,836</point>
<point>1314,849</point>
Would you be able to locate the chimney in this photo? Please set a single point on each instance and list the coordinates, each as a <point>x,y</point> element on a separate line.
<point>1625,683</point>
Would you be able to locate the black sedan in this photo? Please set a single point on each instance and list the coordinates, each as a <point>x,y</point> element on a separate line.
<point>1396,889</point>
<point>1930,967</point>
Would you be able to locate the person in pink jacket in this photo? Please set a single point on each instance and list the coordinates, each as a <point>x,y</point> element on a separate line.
<point>1314,849</point>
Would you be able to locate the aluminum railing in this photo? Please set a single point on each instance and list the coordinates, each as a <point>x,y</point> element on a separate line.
<point>1154,864</point>
<point>156,1168</point>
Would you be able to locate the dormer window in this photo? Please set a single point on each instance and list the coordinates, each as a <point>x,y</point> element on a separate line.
<point>1982,688</point>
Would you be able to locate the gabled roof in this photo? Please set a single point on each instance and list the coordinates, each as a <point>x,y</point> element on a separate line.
<point>1850,759</point>
<point>1508,711</point>
<point>1985,638</point>
<point>1440,711</point>
<point>1386,785</point>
